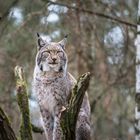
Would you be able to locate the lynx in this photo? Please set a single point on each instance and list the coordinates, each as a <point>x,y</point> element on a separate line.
<point>53,85</point>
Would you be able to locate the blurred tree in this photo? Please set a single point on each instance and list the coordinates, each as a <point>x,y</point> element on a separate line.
<point>101,40</point>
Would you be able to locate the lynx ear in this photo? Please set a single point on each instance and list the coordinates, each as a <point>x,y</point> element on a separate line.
<point>63,42</point>
<point>40,41</point>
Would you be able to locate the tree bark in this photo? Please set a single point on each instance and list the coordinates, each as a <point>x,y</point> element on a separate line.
<point>137,97</point>
<point>22,98</point>
<point>6,132</point>
<point>69,116</point>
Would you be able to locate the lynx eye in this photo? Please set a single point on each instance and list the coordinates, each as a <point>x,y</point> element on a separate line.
<point>44,55</point>
<point>60,52</point>
<point>47,51</point>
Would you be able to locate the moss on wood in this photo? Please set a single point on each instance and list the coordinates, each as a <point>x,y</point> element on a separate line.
<point>22,98</point>
<point>69,116</point>
<point>6,132</point>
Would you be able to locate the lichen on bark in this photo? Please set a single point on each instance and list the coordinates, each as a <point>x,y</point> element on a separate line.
<point>22,99</point>
<point>69,116</point>
<point>6,132</point>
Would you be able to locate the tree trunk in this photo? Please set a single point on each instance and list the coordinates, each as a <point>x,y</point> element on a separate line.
<point>22,98</point>
<point>6,132</point>
<point>137,97</point>
<point>69,116</point>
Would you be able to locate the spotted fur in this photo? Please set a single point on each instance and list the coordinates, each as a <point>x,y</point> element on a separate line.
<point>53,85</point>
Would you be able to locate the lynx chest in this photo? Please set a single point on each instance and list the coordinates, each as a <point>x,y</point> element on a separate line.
<point>52,94</point>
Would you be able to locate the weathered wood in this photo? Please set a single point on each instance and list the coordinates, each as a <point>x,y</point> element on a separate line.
<point>22,98</point>
<point>6,132</point>
<point>69,116</point>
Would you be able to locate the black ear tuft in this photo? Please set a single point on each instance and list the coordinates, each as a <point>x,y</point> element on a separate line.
<point>63,41</point>
<point>38,35</point>
<point>40,41</point>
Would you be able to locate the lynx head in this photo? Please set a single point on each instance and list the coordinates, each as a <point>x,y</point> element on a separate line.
<point>51,57</point>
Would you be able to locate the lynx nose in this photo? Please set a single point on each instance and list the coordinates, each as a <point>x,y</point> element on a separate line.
<point>54,59</point>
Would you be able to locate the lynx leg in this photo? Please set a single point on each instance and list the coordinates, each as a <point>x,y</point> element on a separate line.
<point>83,128</point>
<point>57,131</point>
<point>83,132</point>
<point>47,124</point>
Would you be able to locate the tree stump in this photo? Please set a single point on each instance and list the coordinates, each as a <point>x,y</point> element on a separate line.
<point>22,98</point>
<point>6,132</point>
<point>70,115</point>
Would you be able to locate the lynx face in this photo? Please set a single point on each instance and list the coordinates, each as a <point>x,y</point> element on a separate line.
<point>51,57</point>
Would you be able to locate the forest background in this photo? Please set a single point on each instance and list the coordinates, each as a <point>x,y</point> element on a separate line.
<point>101,40</point>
